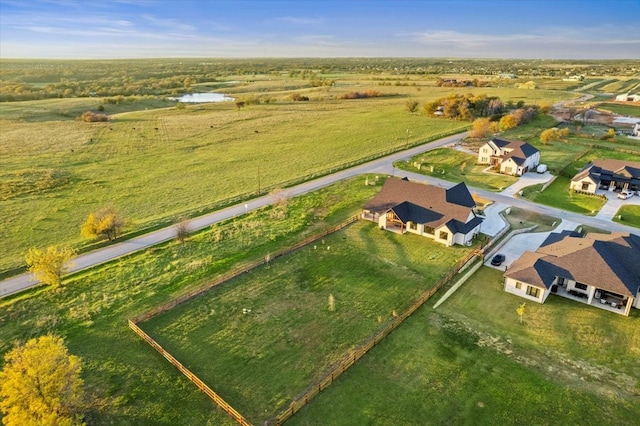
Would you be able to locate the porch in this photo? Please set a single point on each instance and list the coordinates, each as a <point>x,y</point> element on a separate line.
<point>602,299</point>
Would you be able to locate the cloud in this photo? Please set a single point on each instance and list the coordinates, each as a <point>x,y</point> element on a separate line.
<point>301,20</point>
<point>168,23</point>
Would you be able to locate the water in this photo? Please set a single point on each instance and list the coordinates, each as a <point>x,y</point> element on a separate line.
<point>202,98</point>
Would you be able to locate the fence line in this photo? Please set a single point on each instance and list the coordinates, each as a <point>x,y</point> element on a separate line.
<point>355,354</point>
<point>133,322</point>
<point>192,377</point>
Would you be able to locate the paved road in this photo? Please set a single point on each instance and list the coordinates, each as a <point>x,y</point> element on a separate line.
<point>24,281</point>
<point>381,166</point>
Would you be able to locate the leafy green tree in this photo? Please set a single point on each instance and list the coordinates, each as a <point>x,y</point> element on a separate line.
<point>106,222</point>
<point>40,384</point>
<point>48,266</point>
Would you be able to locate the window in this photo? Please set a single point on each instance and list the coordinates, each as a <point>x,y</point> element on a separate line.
<point>413,225</point>
<point>429,230</point>
<point>533,291</point>
<point>444,235</point>
<point>518,285</point>
<point>508,170</point>
<point>580,286</point>
<point>585,186</point>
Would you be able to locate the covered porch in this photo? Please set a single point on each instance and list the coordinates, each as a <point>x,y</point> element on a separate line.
<point>598,298</point>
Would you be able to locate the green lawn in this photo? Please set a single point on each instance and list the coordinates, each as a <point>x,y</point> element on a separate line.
<point>471,362</point>
<point>127,381</point>
<point>594,154</point>
<point>628,215</point>
<point>628,110</point>
<point>456,166</point>
<point>260,360</point>
<point>558,195</point>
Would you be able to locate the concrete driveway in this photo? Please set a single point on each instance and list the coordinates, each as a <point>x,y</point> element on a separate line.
<point>493,222</point>
<point>613,205</point>
<point>527,179</point>
<point>529,241</point>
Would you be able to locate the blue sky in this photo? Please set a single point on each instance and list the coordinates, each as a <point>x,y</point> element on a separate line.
<point>561,29</point>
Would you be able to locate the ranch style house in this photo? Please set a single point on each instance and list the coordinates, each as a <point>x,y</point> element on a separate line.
<point>601,270</point>
<point>446,215</point>
<point>609,174</point>
<point>509,157</point>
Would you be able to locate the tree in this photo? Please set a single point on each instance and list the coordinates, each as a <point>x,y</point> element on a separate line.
<point>520,311</point>
<point>106,222</point>
<point>547,135</point>
<point>480,128</point>
<point>507,122</point>
<point>48,266</point>
<point>412,105</point>
<point>40,384</point>
<point>182,231</point>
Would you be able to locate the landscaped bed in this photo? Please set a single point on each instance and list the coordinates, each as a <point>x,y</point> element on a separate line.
<point>262,338</point>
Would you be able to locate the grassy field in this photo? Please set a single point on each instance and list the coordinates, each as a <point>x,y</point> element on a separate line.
<point>628,215</point>
<point>258,361</point>
<point>456,166</point>
<point>127,382</point>
<point>154,162</point>
<point>621,109</point>
<point>471,362</point>
<point>558,195</point>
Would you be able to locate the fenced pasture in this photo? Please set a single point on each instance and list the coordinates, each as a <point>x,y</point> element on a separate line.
<point>128,384</point>
<point>471,361</point>
<point>262,338</point>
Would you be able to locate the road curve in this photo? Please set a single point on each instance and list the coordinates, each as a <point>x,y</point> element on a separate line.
<point>381,166</point>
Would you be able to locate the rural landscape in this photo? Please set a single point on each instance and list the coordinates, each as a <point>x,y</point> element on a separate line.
<point>206,239</point>
<point>158,163</point>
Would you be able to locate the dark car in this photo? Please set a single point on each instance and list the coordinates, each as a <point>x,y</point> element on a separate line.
<point>497,259</point>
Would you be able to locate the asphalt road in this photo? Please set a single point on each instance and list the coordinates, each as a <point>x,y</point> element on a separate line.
<point>381,166</point>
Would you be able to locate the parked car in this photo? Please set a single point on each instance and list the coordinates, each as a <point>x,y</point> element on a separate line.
<point>623,195</point>
<point>541,168</point>
<point>497,259</point>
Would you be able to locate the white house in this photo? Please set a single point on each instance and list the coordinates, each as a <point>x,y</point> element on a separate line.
<point>602,270</point>
<point>445,215</point>
<point>628,97</point>
<point>609,174</point>
<point>510,157</point>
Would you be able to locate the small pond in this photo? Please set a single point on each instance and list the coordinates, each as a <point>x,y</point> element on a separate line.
<point>202,98</point>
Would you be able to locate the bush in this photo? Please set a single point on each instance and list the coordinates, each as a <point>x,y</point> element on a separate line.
<point>93,117</point>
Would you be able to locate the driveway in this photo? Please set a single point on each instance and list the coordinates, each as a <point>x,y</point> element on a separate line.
<point>529,241</point>
<point>493,222</point>
<point>527,179</point>
<point>613,205</point>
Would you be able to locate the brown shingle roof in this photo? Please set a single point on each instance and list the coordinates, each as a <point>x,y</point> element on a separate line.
<point>610,262</point>
<point>426,199</point>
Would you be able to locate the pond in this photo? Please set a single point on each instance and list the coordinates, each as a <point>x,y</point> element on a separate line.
<point>202,98</point>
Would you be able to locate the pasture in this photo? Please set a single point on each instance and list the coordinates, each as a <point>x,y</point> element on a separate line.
<point>263,337</point>
<point>471,362</point>
<point>155,163</point>
<point>127,382</point>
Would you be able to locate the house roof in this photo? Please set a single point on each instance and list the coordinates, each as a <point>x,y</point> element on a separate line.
<point>619,170</point>
<point>607,261</point>
<point>519,150</point>
<point>425,204</point>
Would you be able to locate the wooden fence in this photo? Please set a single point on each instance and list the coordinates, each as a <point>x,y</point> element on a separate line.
<point>355,354</point>
<point>333,373</point>
<point>194,379</point>
<point>133,322</point>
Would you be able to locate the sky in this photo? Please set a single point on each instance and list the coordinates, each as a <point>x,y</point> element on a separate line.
<point>526,29</point>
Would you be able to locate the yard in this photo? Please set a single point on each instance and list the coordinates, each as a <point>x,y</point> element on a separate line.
<point>264,337</point>
<point>628,215</point>
<point>558,195</point>
<point>456,166</point>
<point>471,362</point>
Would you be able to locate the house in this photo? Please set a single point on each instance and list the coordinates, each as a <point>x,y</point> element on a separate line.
<point>601,270</point>
<point>628,97</point>
<point>510,157</point>
<point>607,174</point>
<point>446,215</point>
